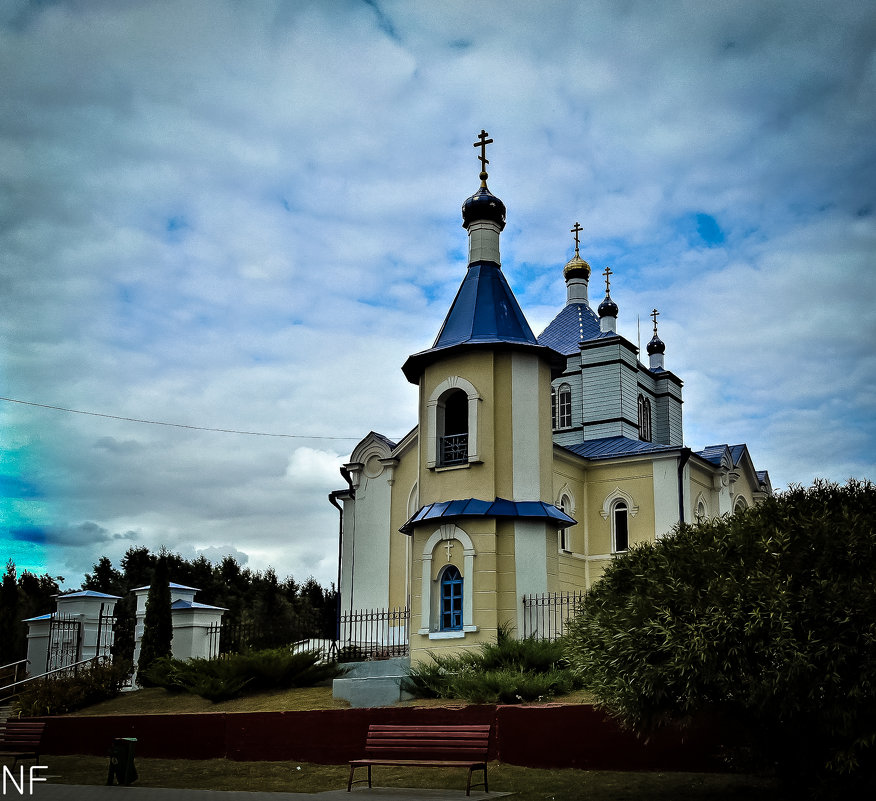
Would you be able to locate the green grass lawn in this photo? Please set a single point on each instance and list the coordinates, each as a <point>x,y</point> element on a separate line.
<point>528,784</point>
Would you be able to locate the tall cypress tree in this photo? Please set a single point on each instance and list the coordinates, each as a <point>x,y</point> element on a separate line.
<point>157,626</point>
<point>11,639</point>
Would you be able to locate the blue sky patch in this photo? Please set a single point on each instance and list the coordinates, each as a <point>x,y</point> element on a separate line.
<point>709,230</point>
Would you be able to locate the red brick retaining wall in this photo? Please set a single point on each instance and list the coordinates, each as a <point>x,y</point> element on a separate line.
<point>549,736</point>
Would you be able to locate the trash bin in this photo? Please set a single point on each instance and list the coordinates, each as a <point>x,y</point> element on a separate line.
<point>121,761</point>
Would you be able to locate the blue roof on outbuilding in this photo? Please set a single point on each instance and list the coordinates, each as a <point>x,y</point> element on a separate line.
<point>181,604</point>
<point>499,508</point>
<point>610,447</point>
<point>575,323</point>
<point>88,594</point>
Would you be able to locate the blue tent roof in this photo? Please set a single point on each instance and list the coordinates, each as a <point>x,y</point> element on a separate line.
<point>435,513</point>
<point>484,312</point>
<point>575,323</point>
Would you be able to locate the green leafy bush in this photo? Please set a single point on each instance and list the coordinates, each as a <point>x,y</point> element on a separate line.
<point>508,671</point>
<point>766,620</point>
<point>238,674</point>
<point>57,695</point>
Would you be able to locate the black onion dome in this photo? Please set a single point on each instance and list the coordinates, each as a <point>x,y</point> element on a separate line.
<point>608,308</point>
<point>483,205</point>
<point>656,346</point>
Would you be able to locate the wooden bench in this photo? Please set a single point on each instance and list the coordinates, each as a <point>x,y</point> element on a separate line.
<point>451,746</point>
<point>21,739</point>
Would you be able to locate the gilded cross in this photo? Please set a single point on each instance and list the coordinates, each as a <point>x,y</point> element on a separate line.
<point>448,546</point>
<point>607,272</point>
<point>482,144</point>
<point>654,315</point>
<point>576,230</point>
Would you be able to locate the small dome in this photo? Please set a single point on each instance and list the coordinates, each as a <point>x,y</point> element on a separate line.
<point>483,205</point>
<point>656,346</point>
<point>576,267</point>
<point>608,308</point>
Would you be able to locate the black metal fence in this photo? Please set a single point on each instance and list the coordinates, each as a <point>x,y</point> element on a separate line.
<point>363,634</point>
<point>232,638</point>
<point>545,615</point>
<point>374,634</point>
<point>65,642</point>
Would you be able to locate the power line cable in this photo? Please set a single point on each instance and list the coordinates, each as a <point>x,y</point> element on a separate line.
<point>172,425</point>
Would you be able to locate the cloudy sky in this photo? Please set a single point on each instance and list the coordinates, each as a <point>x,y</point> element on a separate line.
<point>244,215</point>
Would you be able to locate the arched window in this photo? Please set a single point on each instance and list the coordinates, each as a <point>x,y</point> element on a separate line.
<point>620,527</point>
<point>741,505</point>
<point>451,599</point>
<point>554,408</point>
<point>564,406</point>
<point>644,419</point>
<point>566,506</point>
<point>453,428</point>
<point>702,512</point>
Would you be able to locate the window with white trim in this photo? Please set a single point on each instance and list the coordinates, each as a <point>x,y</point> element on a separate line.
<point>453,428</point>
<point>451,599</point>
<point>620,527</point>
<point>564,406</point>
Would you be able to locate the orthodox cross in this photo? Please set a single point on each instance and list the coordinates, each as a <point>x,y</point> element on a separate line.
<point>654,315</point>
<point>482,144</point>
<point>448,546</point>
<point>607,272</point>
<point>576,230</point>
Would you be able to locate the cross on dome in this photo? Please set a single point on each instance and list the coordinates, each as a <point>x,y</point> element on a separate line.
<point>576,229</point>
<point>607,272</point>
<point>654,315</point>
<point>482,144</point>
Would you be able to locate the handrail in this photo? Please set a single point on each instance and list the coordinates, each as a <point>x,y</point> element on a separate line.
<point>13,664</point>
<point>50,672</point>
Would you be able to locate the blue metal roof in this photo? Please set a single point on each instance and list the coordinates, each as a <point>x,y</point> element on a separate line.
<point>713,453</point>
<point>172,586</point>
<point>484,310</point>
<point>89,594</point>
<point>575,323</point>
<point>609,447</point>
<point>181,604</point>
<point>435,513</point>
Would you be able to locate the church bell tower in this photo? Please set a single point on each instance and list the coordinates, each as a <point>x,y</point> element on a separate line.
<point>485,529</point>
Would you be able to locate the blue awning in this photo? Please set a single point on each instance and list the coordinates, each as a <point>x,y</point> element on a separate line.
<point>443,511</point>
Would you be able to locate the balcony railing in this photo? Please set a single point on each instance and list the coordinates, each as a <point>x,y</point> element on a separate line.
<point>454,449</point>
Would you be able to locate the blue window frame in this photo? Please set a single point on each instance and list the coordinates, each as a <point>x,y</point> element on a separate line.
<point>451,599</point>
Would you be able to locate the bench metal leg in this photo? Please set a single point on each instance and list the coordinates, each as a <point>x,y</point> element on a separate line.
<point>468,783</point>
<point>350,780</point>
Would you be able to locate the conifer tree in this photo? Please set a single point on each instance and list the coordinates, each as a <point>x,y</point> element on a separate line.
<point>157,626</point>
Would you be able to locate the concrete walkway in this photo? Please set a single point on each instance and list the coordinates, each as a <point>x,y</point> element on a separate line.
<point>79,792</point>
